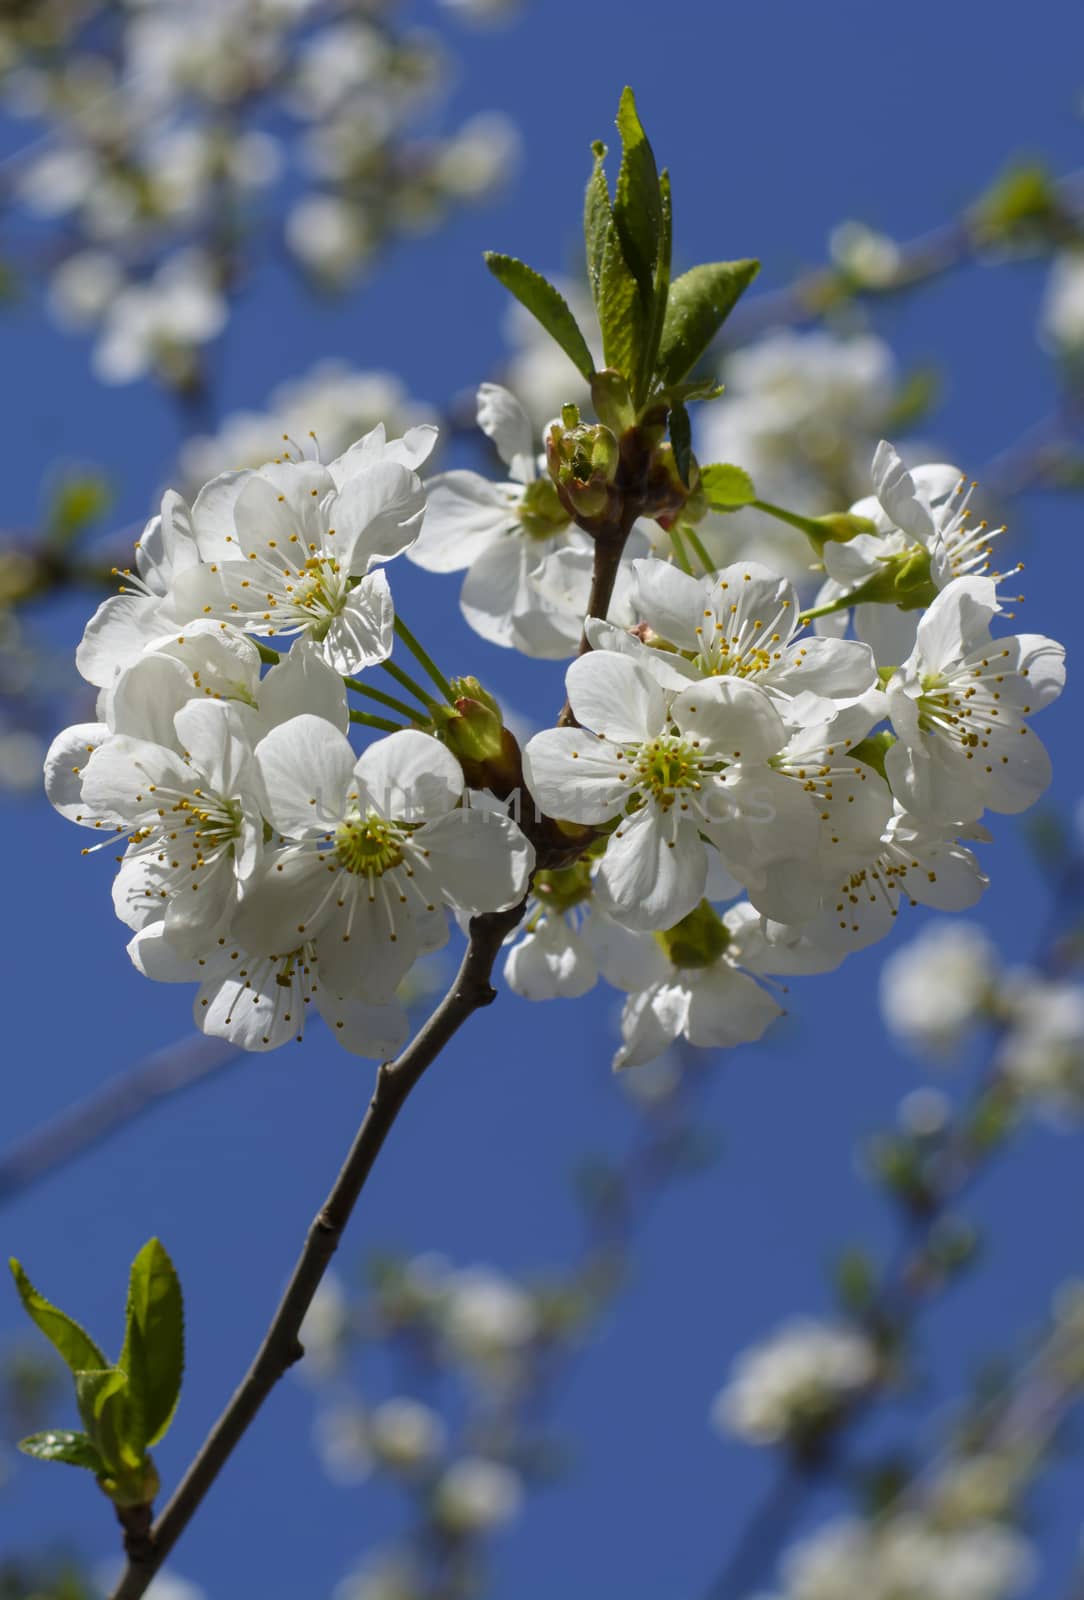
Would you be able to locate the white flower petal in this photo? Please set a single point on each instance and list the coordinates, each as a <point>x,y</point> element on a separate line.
<point>307,767</point>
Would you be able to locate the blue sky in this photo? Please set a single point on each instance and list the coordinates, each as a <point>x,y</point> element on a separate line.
<point>776,121</point>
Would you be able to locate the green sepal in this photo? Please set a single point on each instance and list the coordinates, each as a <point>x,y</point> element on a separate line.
<point>697,305</point>
<point>546,304</point>
<point>681,439</point>
<point>153,1353</point>
<point>73,1342</point>
<point>691,389</point>
<point>726,488</point>
<point>61,1444</point>
<point>872,751</point>
<point>698,940</point>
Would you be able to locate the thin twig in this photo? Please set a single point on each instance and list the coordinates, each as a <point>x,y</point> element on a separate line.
<point>123,1099</point>
<point>281,1346</point>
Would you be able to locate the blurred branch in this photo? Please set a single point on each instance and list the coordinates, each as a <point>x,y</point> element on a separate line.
<point>1055,217</point>
<point>122,1101</point>
<point>909,1282</point>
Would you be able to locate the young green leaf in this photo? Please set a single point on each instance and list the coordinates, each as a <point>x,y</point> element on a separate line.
<point>698,304</point>
<point>681,438</point>
<point>153,1353</point>
<point>102,1399</point>
<point>660,287</point>
<point>620,312</point>
<point>545,303</point>
<point>597,219</point>
<point>726,487</point>
<point>637,205</point>
<point>74,1344</point>
<point>58,1444</point>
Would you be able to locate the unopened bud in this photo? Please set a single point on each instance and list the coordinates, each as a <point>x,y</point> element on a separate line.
<point>840,527</point>
<point>473,730</point>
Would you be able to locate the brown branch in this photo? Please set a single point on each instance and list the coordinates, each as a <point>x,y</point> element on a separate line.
<point>281,1346</point>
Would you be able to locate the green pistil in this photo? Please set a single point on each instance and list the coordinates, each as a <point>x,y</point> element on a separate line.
<point>368,846</point>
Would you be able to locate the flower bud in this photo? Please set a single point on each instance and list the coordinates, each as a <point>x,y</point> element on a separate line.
<point>583,462</point>
<point>840,527</point>
<point>474,732</point>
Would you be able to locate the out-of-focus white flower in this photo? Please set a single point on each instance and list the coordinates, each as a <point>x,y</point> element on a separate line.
<point>333,403</point>
<point>905,1555</point>
<point>475,1495</point>
<point>324,1329</point>
<point>486,1315</point>
<point>328,235</point>
<point>1042,1053</point>
<point>870,258</point>
<point>924,1112</point>
<point>794,1382</point>
<point>341,1435</point>
<point>159,324</point>
<point>1061,319</point>
<point>83,287</point>
<point>802,413</point>
<point>938,985</point>
<point>387,1577</point>
<point>404,1434</point>
<point>479,157</point>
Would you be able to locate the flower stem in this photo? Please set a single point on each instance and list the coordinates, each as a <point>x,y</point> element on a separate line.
<point>410,712</point>
<point>422,656</point>
<point>807,525</point>
<point>698,549</point>
<point>681,555</point>
<point>281,1346</point>
<point>369,721</point>
<point>407,682</point>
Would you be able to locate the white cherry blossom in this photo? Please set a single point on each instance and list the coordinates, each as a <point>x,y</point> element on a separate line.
<point>375,847</point>
<point>143,611</point>
<point>924,508</point>
<point>707,1000</point>
<point>671,767</point>
<point>193,814</point>
<point>502,534</point>
<point>290,551</point>
<point>262,1002</point>
<point>744,621</point>
<point>959,704</point>
<point>797,1379</point>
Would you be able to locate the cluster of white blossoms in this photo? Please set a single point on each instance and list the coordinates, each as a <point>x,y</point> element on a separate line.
<point>156,128</point>
<point>262,856</point>
<point>949,986</point>
<point>906,1554</point>
<point>742,792</point>
<point>795,1383</point>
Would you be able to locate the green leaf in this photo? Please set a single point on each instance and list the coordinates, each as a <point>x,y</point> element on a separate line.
<point>77,502</point>
<point>621,312</point>
<point>681,438</point>
<point>58,1444</point>
<point>698,304</point>
<point>76,1346</point>
<point>660,293</point>
<point>545,303</point>
<point>102,1397</point>
<point>597,219</point>
<point>153,1354</point>
<point>726,487</point>
<point>637,205</point>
